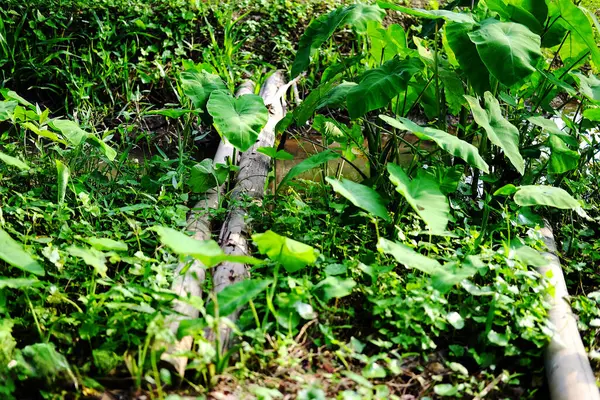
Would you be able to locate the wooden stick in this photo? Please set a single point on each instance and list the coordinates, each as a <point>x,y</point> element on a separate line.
<point>254,167</point>
<point>190,283</point>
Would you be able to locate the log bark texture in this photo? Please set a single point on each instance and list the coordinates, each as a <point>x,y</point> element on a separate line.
<point>251,178</point>
<point>568,370</point>
<point>190,283</point>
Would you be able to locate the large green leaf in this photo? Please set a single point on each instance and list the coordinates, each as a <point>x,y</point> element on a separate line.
<point>205,175</point>
<point>293,255</point>
<point>516,13</point>
<point>336,96</point>
<point>13,253</point>
<point>575,20</point>
<point>361,196</point>
<point>562,159</point>
<point>408,257</point>
<point>6,109</point>
<point>308,164</point>
<point>198,86</point>
<point>207,252</point>
<point>235,296</point>
<point>446,141</point>
<point>385,43</point>
<point>424,196</point>
<point>321,29</point>
<point>378,86</point>
<point>589,86</point>
<point>106,244</point>
<point>334,287</point>
<point>499,130</point>
<point>239,120</point>
<point>13,161</point>
<point>541,195</point>
<point>509,51</point>
<point>464,50</point>
<point>430,14</point>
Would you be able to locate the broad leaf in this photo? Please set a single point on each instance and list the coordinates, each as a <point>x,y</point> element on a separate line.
<point>291,254</point>
<point>308,164</point>
<point>13,161</point>
<point>589,86</point>
<point>575,20</point>
<point>63,179</point>
<point>170,112</point>
<point>378,86</point>
<point>239,120</point>
<point>198,86</point>
<point>205,175</point>
<point>42,361</point>
<point>92,257</point>
<point>77,136</point>
<point>446,141</point>
<point>336,96</point>
<point>541,195</point>
<point>430,14</point>
<point>509,51</point>
<point>17,283</point>
<point>452,274</point>
<point>207,252</point>
<point>385,43</point>
<point>13,253</point>
<point>518,14</point>
<point>499,130</point>
<point>318,97</point>
<point>424,196</point>
<point>334,287</point>
<point>562,159</point>
<point>321,29</point>
<point>408,257</point>
<point>6,109</point>
<point>361,196</point>
<point>275,154</point>
<point>237,295</point>
<point>464,50</point>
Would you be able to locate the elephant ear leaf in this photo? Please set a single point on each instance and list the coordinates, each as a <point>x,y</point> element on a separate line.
<point>361,196</point>
<point>499,130</point>
<point>321,29</point>
<point>543,195</point>
<point>424,195</point>
<point>239,120</point>
<point>446,141</point>
<point>510,51</point>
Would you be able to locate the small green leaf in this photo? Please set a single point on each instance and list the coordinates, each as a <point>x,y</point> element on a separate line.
<point>13,253</point>
<point>63,179</point>
<point>361,196</point>
<point>106,244</point>
<point>275,154</point>
<point>445,390</point>
<point>237,295</point>
<point>170,112</point>
<point>92,257</point>
<point>497,338</point>
<point>7,109</point>
<point>239,120</point>
<point>455,320</point>
<point>13,161</point>
<point>589,86</point>
<point>506,190</point>
<point>207,252</point>
<point>291,254</point>
<point>17,283</point>
<point>205,176</point>
<point>308,164</point>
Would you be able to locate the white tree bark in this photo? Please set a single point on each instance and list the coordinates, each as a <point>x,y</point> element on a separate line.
<point>190,283</point>
<point>254,167</point>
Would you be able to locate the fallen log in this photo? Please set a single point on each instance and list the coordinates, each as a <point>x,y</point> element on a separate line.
<point>251,178</point>
<point>568,369</point>
<point>188,282</point>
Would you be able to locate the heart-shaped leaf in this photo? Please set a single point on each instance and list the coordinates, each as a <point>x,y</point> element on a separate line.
<point>239,120</point>
<point>424,196</point>
<point>509,51</point>
<point>198,86</point>
<point>542,195</point>
<point>446,141</point>
<point>499,130</point>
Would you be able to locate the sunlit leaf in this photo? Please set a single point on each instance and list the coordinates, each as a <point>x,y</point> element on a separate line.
<point>308,164</point>
<point>424,196</point>
<point>106,244</point>
<point>408,257</point>
<point>198,86</point>
<point>63,179</point>
<point>293,255</point>
<point>542,195</point>
<point>430,14</point>
<point>13,161</point>
<point>237,295</point>
<point>589,86</point>
<point>92,257</point>
<point>334,287</point>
